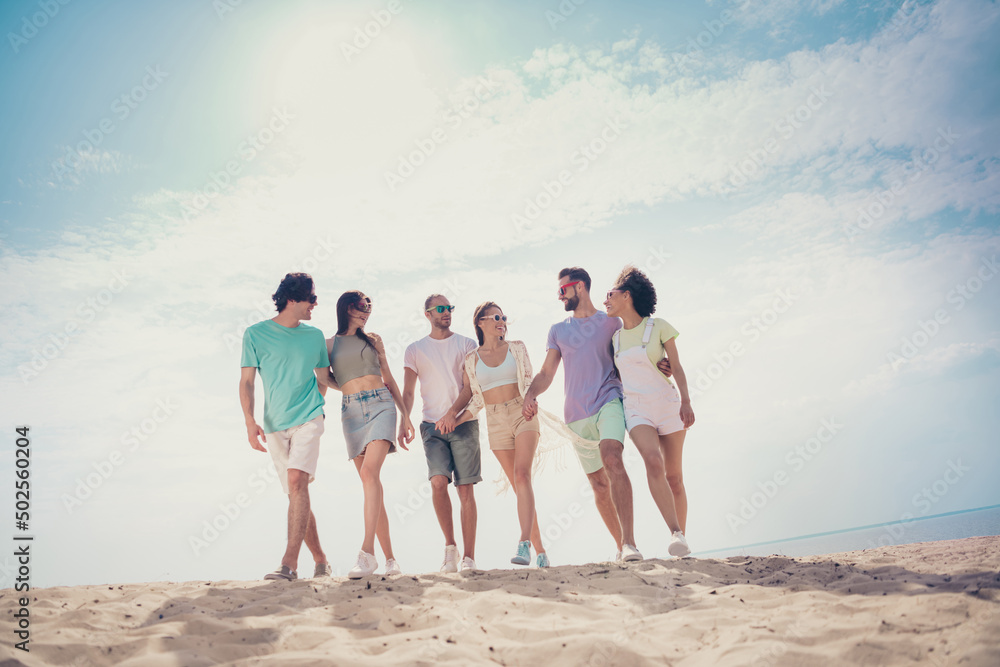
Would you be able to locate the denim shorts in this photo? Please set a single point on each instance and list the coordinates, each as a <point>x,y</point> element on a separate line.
<point>454,455</point>
<point>367,416</point>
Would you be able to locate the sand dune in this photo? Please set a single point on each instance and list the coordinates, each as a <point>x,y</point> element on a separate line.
<point>936,603</point>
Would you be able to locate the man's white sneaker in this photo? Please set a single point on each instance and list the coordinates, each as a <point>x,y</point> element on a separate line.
<point>365,566</point>
<point>392,567</point>
<point>678,545</point>
<point>630,554</point>
<point>468,565</point>
<point>450,563</point>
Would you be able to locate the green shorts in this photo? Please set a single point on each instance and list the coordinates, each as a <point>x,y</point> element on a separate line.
<point>607,424</point>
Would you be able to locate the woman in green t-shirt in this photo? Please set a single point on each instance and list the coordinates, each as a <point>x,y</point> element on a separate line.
<point>656,415</point>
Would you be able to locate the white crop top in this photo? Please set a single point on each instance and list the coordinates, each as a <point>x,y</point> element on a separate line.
<point>491,378</point>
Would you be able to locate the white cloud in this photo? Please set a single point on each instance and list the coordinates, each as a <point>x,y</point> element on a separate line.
<point>72,173</point>
<point>928,365</point>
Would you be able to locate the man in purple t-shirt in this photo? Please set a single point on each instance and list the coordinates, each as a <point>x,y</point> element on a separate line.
<point>593,408</point>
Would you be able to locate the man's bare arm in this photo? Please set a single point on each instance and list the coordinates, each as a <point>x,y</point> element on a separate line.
<point>541,382</point>
<point>409,388</point>
<point>254,432</point>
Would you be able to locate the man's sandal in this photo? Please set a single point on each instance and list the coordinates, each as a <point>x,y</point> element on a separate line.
<point>284,573</point>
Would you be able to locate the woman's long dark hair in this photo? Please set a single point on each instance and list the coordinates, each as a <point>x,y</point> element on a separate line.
<point>346,300</point>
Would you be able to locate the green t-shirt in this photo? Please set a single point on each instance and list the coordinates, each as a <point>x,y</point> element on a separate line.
<point>662,332</point>
<point>286,359</point>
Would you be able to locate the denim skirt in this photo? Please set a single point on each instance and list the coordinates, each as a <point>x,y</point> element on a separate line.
<point>368,415</point>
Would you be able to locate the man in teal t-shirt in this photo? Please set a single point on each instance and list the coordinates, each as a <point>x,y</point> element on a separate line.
<point>293,362</point>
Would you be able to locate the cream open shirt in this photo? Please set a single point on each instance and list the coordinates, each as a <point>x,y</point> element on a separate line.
<point>520,352</point>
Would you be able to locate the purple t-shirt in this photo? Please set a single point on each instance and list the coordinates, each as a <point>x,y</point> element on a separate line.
<point>585,346</point>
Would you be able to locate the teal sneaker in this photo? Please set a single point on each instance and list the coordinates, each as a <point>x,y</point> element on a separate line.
<point>523,556</point>
<point>543,560</point>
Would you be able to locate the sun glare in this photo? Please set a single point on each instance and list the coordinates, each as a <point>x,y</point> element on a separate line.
<point>356,91</point>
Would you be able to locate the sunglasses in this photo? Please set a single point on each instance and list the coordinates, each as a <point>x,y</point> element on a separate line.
<point>495,318</point>
<point>364,305</point>
<point>562,288</point>
<point>614,291</point>
<point>441,309</point>
<point>312,298</point>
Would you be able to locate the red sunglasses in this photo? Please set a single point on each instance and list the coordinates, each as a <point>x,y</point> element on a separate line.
<point>562,288</point>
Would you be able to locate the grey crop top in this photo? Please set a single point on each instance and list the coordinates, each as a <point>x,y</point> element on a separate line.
<point>351,358</point>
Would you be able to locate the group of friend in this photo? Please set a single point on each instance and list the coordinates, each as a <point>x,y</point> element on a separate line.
<point>622,372</point>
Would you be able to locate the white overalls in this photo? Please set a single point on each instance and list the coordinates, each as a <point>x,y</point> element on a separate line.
<point>650,397</point>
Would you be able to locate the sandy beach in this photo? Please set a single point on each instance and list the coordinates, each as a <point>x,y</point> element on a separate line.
<point>936,603</point>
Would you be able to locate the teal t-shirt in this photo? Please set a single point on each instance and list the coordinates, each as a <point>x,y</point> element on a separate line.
<point>286,359</point>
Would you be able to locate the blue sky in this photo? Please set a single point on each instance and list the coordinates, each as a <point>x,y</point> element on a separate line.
<point>813,185</point>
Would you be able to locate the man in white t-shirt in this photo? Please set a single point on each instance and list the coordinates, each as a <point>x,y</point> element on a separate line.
<point>451,446</point>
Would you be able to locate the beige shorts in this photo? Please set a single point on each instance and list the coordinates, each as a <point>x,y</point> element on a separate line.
<point>297,448</point>
<point>504,422</point>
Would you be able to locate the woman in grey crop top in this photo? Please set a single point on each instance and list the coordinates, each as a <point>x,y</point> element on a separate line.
<point>368,413</point>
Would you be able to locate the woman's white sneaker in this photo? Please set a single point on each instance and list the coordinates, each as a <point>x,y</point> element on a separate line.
<point>630,554</point>
<point>365,566</point>
<point>450,563</point>
<point>392,567</point>
<point>678,545</point>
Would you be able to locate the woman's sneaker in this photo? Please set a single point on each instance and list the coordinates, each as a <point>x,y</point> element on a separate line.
<point>630,554</point>
<point>450,563</point>
<point>678,545</point>
<point>523,555</point>
<point>365,566</point>
<point>392,567</point>
<point>543,560</point>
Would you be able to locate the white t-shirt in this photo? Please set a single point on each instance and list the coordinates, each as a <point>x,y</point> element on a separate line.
<point>438,365</point>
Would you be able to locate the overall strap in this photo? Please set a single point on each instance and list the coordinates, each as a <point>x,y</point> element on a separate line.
<point>647,334</point>
<point>616,340</point>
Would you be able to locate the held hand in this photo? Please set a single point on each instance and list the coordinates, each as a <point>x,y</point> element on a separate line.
<point>253,433</point>
<point>447,423</point>
<point>406,433</point>
<point>687,415</point>
<point>529,408</point>
<point>664,366</point>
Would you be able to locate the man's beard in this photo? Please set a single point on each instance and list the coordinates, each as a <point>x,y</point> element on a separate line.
<point>571,304</point>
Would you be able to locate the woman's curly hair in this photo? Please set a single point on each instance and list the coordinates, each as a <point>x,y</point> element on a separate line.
<point>637,284</point>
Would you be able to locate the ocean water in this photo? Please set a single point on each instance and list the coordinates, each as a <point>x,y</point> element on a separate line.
<point>949,526</point>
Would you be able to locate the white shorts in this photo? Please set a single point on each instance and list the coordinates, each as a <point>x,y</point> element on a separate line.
<point>297,448</point>
<point>661,410</point>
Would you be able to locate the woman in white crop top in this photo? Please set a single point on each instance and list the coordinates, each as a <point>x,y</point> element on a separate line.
<point>495,377</point>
